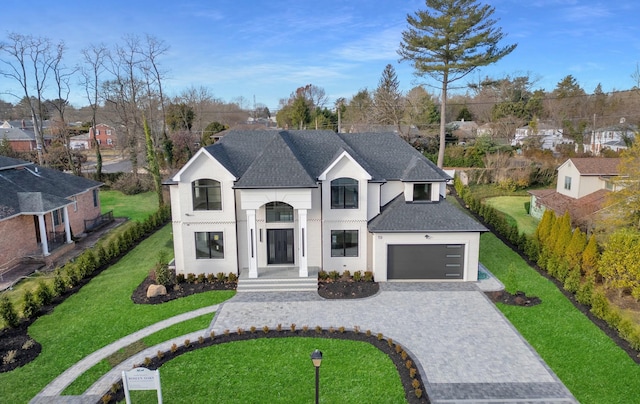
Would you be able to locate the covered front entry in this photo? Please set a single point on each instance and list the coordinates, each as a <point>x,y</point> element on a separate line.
<point>425,261</point>
<point>280,246</point>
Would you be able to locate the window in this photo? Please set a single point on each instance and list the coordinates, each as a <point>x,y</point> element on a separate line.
<point>344,243</point>
<point>279,212</point>
<point>567,183</point>
<point>209,245</point>
<point>344,193</point>
<point>75,203</point>
<point>608,184</point>
<point>421,192</point>
<point>109,141</point>
<point>206,195</point>
<point>108,132</point>
<point>95,198</point>
<point>58,217</point>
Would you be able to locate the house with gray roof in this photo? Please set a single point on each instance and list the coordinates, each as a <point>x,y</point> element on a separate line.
<point>301,201</point>
<point>41,209</point>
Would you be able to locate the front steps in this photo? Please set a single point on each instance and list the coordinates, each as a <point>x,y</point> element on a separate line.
<point>309,284</point>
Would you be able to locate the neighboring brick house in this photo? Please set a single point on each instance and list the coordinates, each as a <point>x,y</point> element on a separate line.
<point>257,202</point>
<point>581,189</point>
<point>41,209</point>
<point>105,136</point>
<point>22,138</point>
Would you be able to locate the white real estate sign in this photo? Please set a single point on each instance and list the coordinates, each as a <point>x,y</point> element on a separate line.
<point>141,379</point>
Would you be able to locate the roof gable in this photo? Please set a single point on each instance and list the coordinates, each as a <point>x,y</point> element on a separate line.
<point>341,156</point>
<point>594,165</point>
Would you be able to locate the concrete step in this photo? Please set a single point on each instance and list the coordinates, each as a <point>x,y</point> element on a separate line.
<point>278,285</point>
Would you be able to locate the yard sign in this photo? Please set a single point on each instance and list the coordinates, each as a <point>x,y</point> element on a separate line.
<point>141,379</point>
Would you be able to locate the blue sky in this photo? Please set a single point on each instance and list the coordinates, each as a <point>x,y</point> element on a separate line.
<point>266,49</point>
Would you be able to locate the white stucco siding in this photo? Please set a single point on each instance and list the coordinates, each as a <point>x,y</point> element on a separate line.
<point>389,190</point>
<point>357,263</point>
<point>187,221</point>
<point>470,240</point>
<point>210,265</point>
<point>345,168</point>
<point>373,200</point>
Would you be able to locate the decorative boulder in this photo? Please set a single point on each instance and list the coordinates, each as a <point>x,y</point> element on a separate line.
<point>156,290</point>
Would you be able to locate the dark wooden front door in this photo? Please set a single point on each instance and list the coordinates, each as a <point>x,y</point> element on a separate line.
<point>280,246</point>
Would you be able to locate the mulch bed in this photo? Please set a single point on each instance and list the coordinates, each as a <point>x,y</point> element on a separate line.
<point>347,289</point>
<point>386,346</point>
<point>177,291</point>
<point>514,299</point>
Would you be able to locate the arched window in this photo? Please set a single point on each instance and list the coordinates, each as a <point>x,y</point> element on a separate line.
<point>206,195</point>
<point>344,193</point>
<point>279,212</point>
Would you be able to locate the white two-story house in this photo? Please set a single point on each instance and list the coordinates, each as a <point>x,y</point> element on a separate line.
<point>581,189</point>
<point>260,200</point>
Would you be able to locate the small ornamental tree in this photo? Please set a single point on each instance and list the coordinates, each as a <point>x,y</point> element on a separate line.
<point>619,264</point>
<point>590,257</point>
<point>8,312</point>
<point>575,249</point>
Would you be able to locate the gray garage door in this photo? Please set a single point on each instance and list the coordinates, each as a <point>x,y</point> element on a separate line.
<point>425,261</point>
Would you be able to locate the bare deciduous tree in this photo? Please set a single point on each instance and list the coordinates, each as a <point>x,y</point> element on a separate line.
<point>28,60</point>
<point>93,69</point>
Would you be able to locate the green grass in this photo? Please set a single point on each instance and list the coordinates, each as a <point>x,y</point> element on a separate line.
<point>100,313</point>
<point>513,207</point>
<point>588,362</point>
<point>82,383</point>
<point>278,370</point>
<point>135,207</point>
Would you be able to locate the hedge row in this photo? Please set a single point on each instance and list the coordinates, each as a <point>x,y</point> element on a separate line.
<point>86,265</point>
<point>565,254</point>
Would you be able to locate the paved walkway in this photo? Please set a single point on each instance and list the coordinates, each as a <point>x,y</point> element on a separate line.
<point>464,347</point>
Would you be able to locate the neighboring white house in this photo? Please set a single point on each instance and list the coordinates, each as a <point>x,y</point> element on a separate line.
<point>258,200</point>
<point>610,137</point>
<point>548,136</point>
<point>581,188</point>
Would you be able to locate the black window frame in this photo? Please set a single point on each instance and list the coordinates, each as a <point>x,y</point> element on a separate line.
<point>340,246</point>
<point>207,187</point>
<point>422,195</point>
<point>344,193</point>
<point>211,243</point>
<point>278,212</point>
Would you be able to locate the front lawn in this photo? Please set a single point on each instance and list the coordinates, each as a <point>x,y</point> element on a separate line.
<point>513,207</point>
<point>279,370</point>
<point>588,362</point>
<point>100,313</point>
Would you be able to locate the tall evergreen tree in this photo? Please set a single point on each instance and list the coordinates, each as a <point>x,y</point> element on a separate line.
<point>448,41</point>
<point>387,99</point>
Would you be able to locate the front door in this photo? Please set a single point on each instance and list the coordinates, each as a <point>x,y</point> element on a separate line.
<point>280,246</point>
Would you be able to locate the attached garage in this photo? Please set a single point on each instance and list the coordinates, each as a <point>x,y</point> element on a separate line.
<point>425,261</point>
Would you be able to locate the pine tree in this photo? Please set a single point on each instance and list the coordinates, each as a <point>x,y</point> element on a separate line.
<point>590,257</point>
<point>448,41</point>
<point>387,100</point>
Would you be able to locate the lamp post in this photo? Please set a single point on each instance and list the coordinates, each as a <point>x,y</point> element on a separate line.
<point>316,358</point>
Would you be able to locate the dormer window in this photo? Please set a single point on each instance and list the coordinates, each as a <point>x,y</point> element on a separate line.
<point>422,192</point>
<point>344,193</point>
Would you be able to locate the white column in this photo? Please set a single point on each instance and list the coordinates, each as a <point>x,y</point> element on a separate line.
<point>302,242</point>
<point>252,245</point>
<point>43,236</point>
<point>67,226</point>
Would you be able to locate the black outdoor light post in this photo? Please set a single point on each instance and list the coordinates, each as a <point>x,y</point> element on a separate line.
<point>316,358</point>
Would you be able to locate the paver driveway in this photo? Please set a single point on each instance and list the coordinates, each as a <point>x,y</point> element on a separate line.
<point>466,349</point>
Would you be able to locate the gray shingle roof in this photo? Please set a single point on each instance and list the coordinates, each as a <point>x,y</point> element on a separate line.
<point>27,188</point>
<point>264,159</point>
<point>400,216</point>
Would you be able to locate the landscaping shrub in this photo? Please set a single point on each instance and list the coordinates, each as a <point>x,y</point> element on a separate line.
<point>132,184</point>
<point>334,275</point>
<point>59,284</point>
<point>585,291</point>
<point>29,305</point>
<point>162,273</point>
<point>43,294</point>
<point>8,312</point>
<point>232,277</point>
